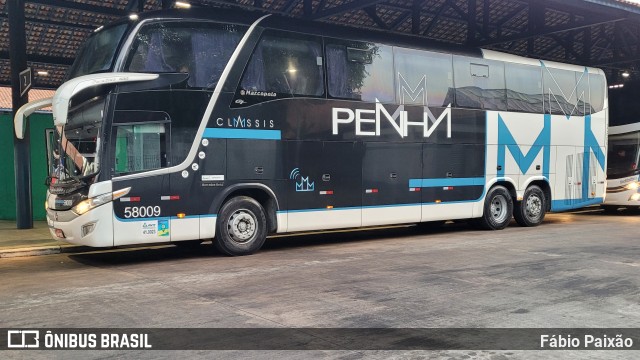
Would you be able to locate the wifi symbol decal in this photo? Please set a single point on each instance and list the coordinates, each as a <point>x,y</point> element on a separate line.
<point>303,184</point>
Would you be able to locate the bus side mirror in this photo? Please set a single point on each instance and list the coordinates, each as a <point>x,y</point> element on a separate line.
<point>20,119</point>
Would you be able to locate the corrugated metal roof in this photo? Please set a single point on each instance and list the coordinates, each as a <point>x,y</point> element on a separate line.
<point>601,33</point>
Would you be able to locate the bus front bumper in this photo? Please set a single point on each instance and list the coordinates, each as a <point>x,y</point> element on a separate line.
<point>93,228</point>
<point>623,198</point>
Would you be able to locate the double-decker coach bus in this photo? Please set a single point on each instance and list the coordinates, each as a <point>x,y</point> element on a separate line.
<point>186,125</point>
<point>623,174</point>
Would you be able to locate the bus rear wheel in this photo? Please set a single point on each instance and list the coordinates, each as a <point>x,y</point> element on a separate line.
<point>498,209</point>
<point>531,210</point>
<point>241,228</point>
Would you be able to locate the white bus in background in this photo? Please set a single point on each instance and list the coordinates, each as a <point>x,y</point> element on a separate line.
<point>623,171</point>
<point>180,126</point>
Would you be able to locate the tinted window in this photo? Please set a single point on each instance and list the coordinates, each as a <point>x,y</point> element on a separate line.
<point>140,147</point>
<point>582,94</point>
<point>287,66</point>
<point>201,50</point>
<point>479,83</point>
<point>360,71</point>
<point>524,88</point>
<point>623,153</point>
<point>598,89</point>
<point>559,91</point>
<point>423,78</point>
<point>98,52</point>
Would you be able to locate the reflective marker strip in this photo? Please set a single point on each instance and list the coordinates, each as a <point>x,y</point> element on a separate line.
<point>130,199</point>
<point>371,191</point>
<point>414,189</point>
<point>327,192</point>
<point>447,188</point>
<point>172,197</point>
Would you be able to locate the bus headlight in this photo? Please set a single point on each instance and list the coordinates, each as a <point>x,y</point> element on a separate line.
<point>92,203</point>
<point>632,186</point>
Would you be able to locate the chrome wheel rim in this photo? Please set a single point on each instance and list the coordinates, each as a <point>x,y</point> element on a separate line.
<point>533,206</point>
<point>498,208</point>
<point>242,225</point>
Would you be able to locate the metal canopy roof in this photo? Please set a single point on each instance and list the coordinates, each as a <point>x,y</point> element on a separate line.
<point>600,33</point>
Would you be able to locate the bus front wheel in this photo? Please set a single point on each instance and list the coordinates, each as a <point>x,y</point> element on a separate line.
<point>498,209</point>
<point>531,210</point>
<point>241,228</point>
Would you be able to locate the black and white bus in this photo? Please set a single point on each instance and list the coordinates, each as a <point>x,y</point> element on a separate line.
<point>623,173</point>
<point>185,125</point>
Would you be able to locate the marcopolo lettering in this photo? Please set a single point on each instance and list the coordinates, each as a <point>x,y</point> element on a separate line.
<point>363,119</point>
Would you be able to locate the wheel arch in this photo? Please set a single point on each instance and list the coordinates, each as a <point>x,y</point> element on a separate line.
<point>546,190</point>
<point>260,192</point>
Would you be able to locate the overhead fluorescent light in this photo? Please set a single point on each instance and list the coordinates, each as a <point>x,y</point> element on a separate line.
<point>182,5</point>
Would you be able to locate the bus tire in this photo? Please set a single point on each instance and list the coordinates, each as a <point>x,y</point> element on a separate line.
<point>531,210</point>
<point>241,228</point>
<point>498,209</point>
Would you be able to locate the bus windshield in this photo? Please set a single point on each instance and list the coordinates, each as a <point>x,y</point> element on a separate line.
<point>98,52</point>
<point>623,153</point>
<point>75,153</point>
<point>199,49</point>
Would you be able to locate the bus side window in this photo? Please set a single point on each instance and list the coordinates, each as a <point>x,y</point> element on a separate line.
<point>200,49</point>
<point>287,65</point>
<point>582,93</point>
<point>360,71</point>
<point>424,77</point>
<point>560,91</point>
<point>140,147</point>
<point>524,88</point>
<point>479,83</point>
<point>597,92</point>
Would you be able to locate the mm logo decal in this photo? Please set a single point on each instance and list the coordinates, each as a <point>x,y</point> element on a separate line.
<point>302,182</point>
<point>542,143</point>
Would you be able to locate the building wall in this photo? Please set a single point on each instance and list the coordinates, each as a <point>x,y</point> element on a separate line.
<point>38,123</point>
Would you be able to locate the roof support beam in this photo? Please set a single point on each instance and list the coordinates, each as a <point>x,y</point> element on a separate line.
<point>81,6</point>
<point>45,59</point>
<point>54,23</point>
<point>546,31</point>
<point>351,6</point>
<point>472,25</point>
<point>22,161</point>
<point>371,11</point>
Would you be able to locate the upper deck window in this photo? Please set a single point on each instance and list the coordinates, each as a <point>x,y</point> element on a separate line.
<point>98,52</point>
<point>424,77</point>
<point>360,71</point>
<point>287,65</point>
<point>200,49</point>
<point>479,83</point>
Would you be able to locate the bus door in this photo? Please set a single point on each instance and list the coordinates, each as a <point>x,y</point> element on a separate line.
<point>140,141</point>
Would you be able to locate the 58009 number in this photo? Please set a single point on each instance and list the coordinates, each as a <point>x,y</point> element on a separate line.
<point>141,211</point>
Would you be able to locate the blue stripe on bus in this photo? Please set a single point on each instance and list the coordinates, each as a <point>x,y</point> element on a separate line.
<point>164,218</point>
<point>477,181</point>
<point>228,133</point>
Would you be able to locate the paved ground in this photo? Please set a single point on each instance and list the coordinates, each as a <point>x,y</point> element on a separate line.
<point>576,270</point>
